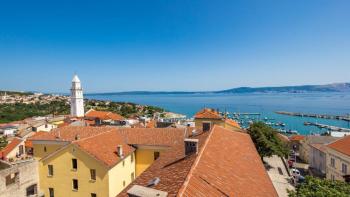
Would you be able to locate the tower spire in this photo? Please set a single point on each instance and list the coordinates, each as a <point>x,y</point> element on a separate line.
<point>77,99</point>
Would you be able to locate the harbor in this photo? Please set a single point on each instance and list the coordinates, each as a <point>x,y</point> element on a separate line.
<point>247,118</point>
<point>324,116</point>
<point>325,126</point>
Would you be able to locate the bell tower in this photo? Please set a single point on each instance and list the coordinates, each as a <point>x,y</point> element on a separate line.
<point>76,98</point>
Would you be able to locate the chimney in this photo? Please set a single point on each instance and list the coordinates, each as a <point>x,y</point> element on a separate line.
<point>191,146</point>
<point>120,151</point>
<point>77,137</point>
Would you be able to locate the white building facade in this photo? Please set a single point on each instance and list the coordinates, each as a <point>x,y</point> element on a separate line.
<point>77,99</point>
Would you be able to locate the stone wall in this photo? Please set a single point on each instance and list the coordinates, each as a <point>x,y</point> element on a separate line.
<point>20,179</point>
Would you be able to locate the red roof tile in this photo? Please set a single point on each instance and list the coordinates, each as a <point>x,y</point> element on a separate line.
<point>101,142</point>
<point>296,137</point>
<point>69,133</point>
<point>10,147</point>
<point>208,114</point>
<point>104,115</point>
<point>228,165</point>
<point>151,124</point>
<point>342,145</point>
<point>103,147</point>
<point>171,168</point>
<point>232,123</point>
<point>152,136</point>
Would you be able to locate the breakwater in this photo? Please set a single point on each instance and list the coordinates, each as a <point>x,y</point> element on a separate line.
<point>324,116</point>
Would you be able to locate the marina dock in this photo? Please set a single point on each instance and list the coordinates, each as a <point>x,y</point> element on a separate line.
<point>324,116</point>
<point>329,127</point>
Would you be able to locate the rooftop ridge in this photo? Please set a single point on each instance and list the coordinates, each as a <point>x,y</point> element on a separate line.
<point>108,131</point>
<point>190,173</point>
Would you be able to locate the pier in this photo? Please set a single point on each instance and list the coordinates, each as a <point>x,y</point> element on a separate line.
<point>324,116</point>
<point>246,114</point>
<point>329,127</point>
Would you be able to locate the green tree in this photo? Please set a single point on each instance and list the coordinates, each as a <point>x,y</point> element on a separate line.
<point>266,140</point>
<point>3,142</point>
<point>315,187</point>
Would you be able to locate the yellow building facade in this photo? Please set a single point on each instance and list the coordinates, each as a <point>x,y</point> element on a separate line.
<point>60,179</point>
<point>145,156</point>
<point>97,161</point>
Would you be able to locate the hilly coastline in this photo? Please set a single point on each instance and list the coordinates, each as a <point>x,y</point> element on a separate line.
<point>335,87</point>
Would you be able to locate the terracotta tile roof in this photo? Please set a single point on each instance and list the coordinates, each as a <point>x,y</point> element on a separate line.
<point>104,115</point>
<point>151,124</point>
<point>171,168</point>
<point>103,147</point>
<point>211,172</point>
<point>320,147</point>
<point>232,123</point>
<point>152,136</point>
<point>207,114</point>
<point>101,142</point>
<point>10,147</point>
<point>69,133</point>
<point>342,145</point>
<point>296,138</point>
<point>228,165</point>
<point>63,124</point>
<point>28,143</point>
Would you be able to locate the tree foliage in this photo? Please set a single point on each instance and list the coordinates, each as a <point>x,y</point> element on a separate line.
<point>3,142</point>
<point>266,140</point>
<point>315,187</point>
<point>20,111</point>
<point>123,108</point>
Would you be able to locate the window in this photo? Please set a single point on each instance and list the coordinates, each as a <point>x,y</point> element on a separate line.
<point>206,126</point>
<point>123,163</point>
<point>132,176</point>
<point>93,174</point>
<point>132,158</point>
<point>20,149</point>
<point>51,192</point>
<point>74,164</point>
<point>344,168</point>
<point>332,177</point>
<point>31,190</point>
<point>123,183</point>
<point>333,162</point>
<point>45,149</point>
<point>156,155</point>
<point>93,195</point>
<point>50,170</point>
<point>12,178</point>
<point>75,184</point>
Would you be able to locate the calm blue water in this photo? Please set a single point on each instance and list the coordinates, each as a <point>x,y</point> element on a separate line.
<point>323,103</point>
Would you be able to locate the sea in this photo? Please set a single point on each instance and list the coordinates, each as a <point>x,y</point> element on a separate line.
<point>264,103</point>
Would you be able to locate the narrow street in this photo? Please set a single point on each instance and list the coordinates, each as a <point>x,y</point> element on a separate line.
<point>278,175</point>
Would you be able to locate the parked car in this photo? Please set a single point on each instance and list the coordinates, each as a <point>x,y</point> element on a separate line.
<point>295,172</point>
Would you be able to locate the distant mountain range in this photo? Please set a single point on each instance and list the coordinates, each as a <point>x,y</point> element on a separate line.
<point>335,87</point>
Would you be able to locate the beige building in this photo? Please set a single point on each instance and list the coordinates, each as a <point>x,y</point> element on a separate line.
<point>338,160</point>
<point>13,151</point>
<point>207,118</point>
<point>318,159</point>
<point>305,148</point>
<point>19,179</point>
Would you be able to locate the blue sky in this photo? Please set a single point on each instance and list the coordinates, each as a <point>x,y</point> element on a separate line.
<point>172,45</point>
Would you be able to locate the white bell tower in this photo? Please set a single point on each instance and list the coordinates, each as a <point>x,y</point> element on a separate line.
<point>76,98</point>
